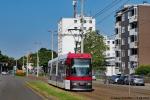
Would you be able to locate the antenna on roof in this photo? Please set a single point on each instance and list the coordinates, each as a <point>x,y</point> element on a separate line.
<point>74,3</point>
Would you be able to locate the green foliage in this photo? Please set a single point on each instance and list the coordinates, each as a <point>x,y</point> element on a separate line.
<point>94,44</point>
<point>7,60</point>
<point>44,57</point>
<point>143,70</point>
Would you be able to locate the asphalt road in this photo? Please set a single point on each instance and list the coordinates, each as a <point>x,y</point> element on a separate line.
<point>13,88</point>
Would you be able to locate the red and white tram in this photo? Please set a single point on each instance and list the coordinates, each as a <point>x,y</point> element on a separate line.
<point>71,72</point>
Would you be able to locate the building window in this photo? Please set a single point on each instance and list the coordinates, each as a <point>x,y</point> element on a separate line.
<point>132,12</point>
<point>90,28</point>
<point>123,17</point>
<point>117,53</point>
<point>84,21</point>
<point>123,42</point>
<point>108,54</point>
<point>123,29</point>
<point>116,30</point>
<point>118,64</point>
<point>113,42</point>
<point>75,28</point>
<point>123,65</point>
<point>117,42</point>
<point>90,21</point>
<point>123,53</point>
<point>133,25</point>
<point>133,38</point>
<point>118,19</point>
<point>108,42</point>
<point>75,21</point>
<point>133,51</point>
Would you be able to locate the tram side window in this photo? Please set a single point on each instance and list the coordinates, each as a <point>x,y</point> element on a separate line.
<point>49,68</point>
<point>54,68</point>
<point>61,69</point>
<point>67,71</point>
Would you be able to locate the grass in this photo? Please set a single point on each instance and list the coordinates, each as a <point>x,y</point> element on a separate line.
<point>53,92</point>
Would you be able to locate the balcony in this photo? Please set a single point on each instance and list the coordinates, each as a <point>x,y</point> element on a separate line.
<point>118,36</point>
<point>133,58</point>
<point>117,47</point>
<point>118,59</point>
<point>132,18</point>
<point>118,24</point>
<point>132,31</point>
<point>133,44</point>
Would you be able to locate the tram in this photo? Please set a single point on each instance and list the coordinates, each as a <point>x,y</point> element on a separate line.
<point>71,72</point>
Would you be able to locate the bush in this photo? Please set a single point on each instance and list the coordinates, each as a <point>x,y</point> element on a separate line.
<point>143,70</point>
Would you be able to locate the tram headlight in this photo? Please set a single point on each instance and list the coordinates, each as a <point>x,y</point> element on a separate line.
<point>89,83</point>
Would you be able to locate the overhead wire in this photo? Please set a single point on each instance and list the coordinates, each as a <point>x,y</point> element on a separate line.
<point>108,7</point>
<point>111,13</point>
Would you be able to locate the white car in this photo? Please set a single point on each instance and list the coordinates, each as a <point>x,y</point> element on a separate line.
<point>4,73</point>
<point>93,77</point>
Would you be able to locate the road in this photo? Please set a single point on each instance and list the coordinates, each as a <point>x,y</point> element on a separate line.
<point>13,88</point>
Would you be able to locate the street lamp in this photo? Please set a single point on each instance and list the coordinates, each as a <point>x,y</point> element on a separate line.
<point>52,43</point>
<point>27,63</point>
<point>37,59</point>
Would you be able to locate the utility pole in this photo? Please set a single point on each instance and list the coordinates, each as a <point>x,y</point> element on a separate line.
<point>75,7</point>
<point>37,63</point>
<point>82,22</point>
<point>23,61</point>
<point>37,54</point>
<point>27,63</point>
<point>52,51</point>
<point>52,43</point>
<point>16,63</point>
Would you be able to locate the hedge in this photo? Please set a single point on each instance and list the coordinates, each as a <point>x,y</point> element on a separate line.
<point>143,70</point>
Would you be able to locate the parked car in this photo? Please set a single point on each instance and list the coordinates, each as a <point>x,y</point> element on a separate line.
<point>135,80</point>
<point>122,79</point>
<point>4,73</point>
<point>113,79</point>
<point>93,77</point>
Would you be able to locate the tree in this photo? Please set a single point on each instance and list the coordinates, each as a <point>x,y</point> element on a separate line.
<point>143,70</point>
<point>94,44</point>
<point>44,57</point>
<point>8,62</point>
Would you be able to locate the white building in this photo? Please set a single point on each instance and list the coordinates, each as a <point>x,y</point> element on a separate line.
<point>69,26</point>
<point>110,56</point>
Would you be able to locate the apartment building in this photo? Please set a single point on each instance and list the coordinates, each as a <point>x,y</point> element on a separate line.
<point>110,56</point>
<point>69,33</point>
<point>132,40</point>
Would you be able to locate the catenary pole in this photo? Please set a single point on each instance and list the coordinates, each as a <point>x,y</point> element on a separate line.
<point>82,22</point>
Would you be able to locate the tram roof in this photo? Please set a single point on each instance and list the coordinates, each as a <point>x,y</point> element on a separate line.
<point>72,55</point>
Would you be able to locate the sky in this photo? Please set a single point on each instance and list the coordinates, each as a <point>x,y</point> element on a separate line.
<point>24,24</point>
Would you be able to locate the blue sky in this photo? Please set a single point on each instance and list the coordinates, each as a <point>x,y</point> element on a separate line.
<point>25,22</point>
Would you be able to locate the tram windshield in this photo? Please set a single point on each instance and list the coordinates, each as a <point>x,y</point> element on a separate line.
<point>81,67</point>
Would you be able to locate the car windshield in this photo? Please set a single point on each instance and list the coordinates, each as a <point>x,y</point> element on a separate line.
<point>138,77</point>
<point>81,67</point>
<point>115,76</point>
